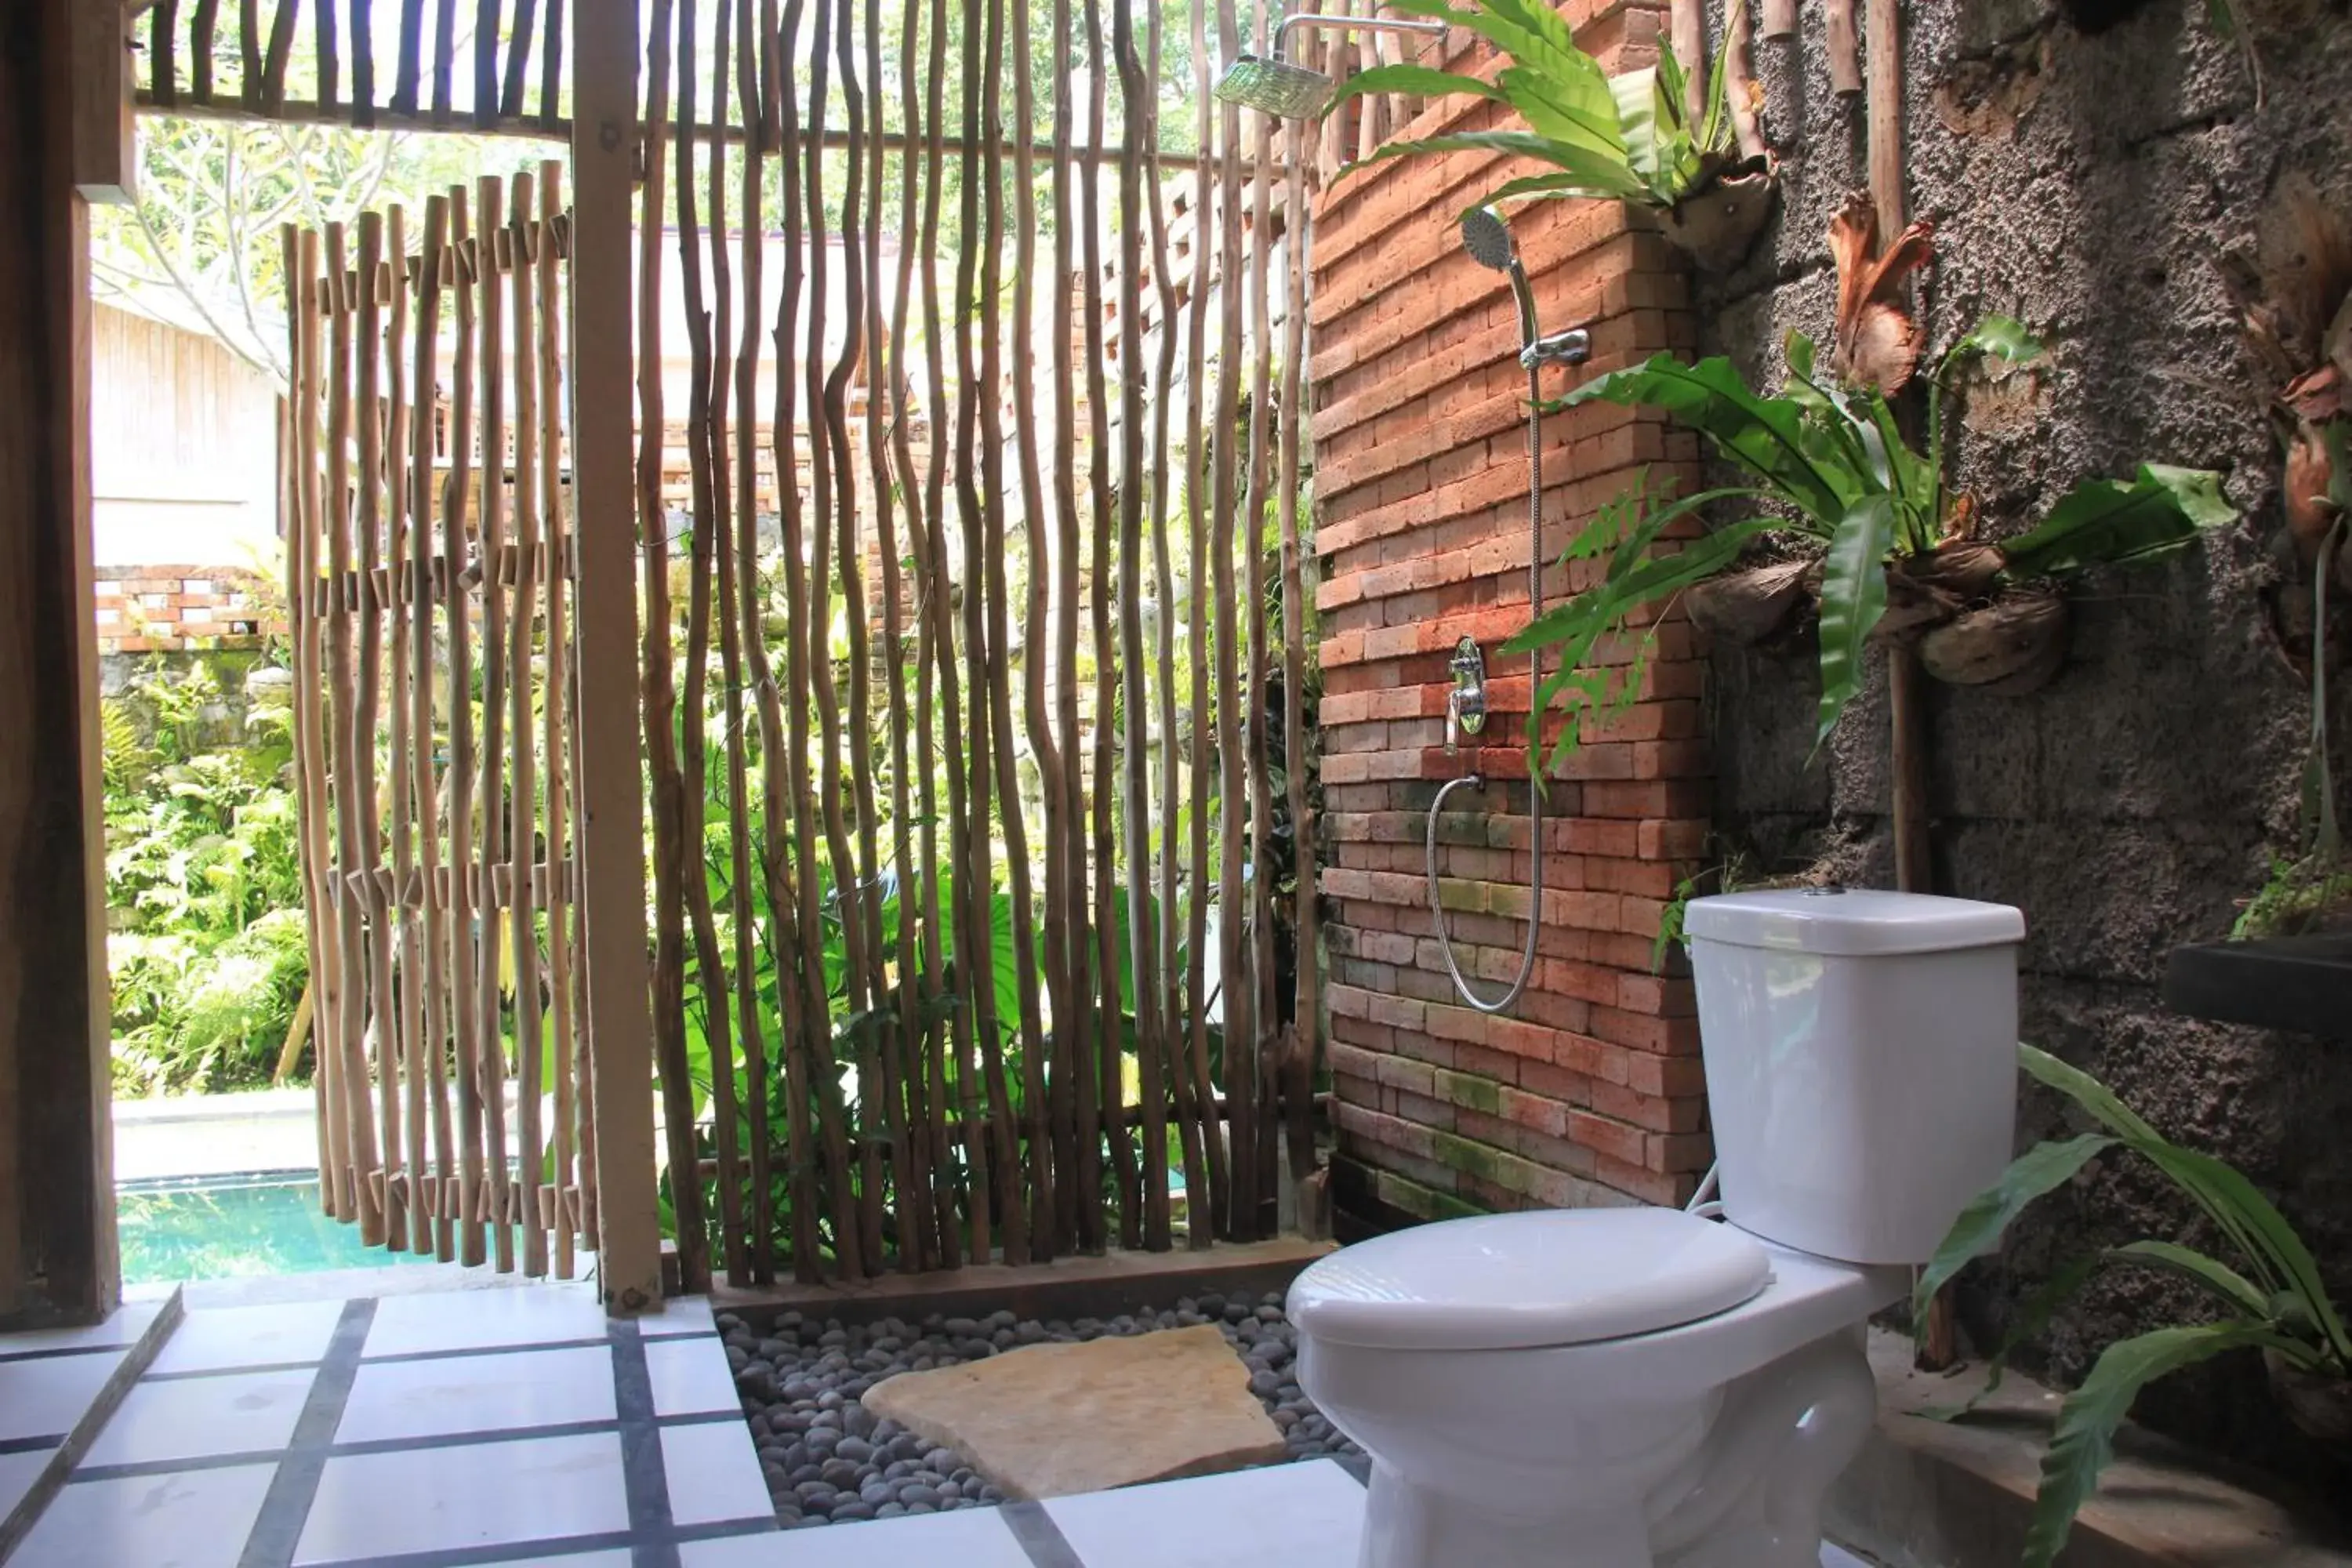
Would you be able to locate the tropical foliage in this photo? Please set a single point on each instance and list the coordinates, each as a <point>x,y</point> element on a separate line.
<point>1630,137</point>
<point>204,888</point>
<point>1826,465</point>
<point>2269,1296</point>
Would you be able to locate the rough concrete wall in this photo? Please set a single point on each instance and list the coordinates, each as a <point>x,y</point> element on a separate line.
<point>2083,170</point>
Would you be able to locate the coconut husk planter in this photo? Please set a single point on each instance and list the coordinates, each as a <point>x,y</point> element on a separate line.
<point>2013,646</point>
<point>2319,1406</point>
<point>1716,225</point>
<point>1746,606</point>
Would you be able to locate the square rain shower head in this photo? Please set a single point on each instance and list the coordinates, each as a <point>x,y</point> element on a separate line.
<point>1275,87</point>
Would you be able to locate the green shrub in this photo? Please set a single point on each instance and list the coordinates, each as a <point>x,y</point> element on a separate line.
<point>203,890</point>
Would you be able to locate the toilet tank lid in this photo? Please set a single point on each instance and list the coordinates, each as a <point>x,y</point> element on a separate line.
<point>1511,1281</point>
<point>1850,922</point>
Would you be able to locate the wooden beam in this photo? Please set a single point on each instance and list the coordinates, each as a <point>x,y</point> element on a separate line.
<point>57,1256</point>
<point>105,127</point>
<point>537,128</point>
<point>613,807</point>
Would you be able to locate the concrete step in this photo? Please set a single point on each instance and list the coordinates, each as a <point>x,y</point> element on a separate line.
<point>1960,1494</point>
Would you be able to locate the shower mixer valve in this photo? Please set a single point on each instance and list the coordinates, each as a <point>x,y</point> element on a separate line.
<point>1466,705</point>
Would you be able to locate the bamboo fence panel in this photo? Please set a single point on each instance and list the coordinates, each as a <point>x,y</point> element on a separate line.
<point>429,862</point>
<point>957,709</point>
<point>503,63</point>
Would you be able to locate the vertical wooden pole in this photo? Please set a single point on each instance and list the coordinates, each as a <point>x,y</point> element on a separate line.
<point>464,940</point>
<point>612,825</point>
<point>1077,1092</point>
<point>363,884</point>
<point>975,309</point>
<point>404,906</point>
<point>1185,1107</point>
<point>350,776</point>
<point>562,880</point>
<point>493,241</point>
<point>1845,66</point>
<point>1259,1039</point>
<point>303,603</point>
<point>1298,1045</point>
<point>424,590</point>
<point>1109,1030</point>
<point>711,981</point>
<point>58,1255</point>
<point>751,649</point>
<point>1233,977</point>
<point>902,1031</point>
<point>940,647</point>
<point>1134,708</point>
<point>522,763</point>
<point>1779,19</point>
<point>1206,1221</point>
<point>1052,1157</point>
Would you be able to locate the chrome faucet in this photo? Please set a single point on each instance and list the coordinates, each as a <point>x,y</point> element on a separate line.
<point>1465,704</point>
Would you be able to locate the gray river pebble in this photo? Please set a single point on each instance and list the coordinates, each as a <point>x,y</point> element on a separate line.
<point>828,1459</point>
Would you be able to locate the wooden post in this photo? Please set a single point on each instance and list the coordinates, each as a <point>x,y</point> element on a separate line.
<point>613,821</point>
<point>57,1257</point>
<point>1907,719</point>
<point>105,136</point>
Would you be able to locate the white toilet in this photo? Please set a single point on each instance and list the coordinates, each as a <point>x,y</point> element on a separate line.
<point>1630,1388</point>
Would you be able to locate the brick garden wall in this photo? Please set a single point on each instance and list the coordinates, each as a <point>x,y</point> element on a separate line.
<point>173,609</point>
<point>1591,1091</point>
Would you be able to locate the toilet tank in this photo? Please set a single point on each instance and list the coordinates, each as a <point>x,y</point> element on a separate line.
<point>1861,1052</point>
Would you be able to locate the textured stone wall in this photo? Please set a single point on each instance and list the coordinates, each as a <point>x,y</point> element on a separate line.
<point>2083,170</point>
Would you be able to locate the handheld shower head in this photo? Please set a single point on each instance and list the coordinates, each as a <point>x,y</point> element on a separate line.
<point>1487,238</point>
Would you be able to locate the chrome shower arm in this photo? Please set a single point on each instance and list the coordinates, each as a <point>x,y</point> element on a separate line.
<point>1349,25</point>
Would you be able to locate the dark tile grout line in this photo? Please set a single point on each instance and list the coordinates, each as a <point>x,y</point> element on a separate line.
<point>399,1358</point>
<point>18,1521</point>
<point>57,1353</point>
<point>644,1473</point>
<point>285,1508</point>
<point>366,1447</point>
<point>557,1548</point>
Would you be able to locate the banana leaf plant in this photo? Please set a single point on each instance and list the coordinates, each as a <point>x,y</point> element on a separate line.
<point>2269,1298</point>
<point>1825,467</point>
<point>1629,138</point>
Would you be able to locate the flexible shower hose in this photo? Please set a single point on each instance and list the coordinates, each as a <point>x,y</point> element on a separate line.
<point>1535,785</point>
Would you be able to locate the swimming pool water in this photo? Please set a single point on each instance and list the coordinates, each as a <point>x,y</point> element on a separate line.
<point>213,1227</point>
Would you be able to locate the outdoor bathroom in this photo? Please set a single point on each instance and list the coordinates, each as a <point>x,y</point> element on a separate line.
<point>1027,783</point>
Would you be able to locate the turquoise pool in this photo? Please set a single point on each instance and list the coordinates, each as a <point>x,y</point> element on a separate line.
<point>226,1227</point>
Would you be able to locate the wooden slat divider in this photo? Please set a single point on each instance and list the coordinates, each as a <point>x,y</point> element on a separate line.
<point>493,953</point>
<point>822,929</point>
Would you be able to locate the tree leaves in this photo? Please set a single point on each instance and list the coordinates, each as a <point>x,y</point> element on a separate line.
<point>2041,1169</point>
<point>1854,595</point>
<point>2103,521</point>
<point>2084,1439</point>
<point>1761,435</point>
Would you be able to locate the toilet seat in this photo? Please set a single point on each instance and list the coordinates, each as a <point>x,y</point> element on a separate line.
<point>1548,1277</point>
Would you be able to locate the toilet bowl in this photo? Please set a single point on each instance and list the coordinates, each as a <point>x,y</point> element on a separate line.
<point>1650,1388</point>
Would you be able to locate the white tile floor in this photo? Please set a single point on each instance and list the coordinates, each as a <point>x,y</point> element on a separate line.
<point>49,1380</point>
<point>432,1431</point>
<point>514,1426</point>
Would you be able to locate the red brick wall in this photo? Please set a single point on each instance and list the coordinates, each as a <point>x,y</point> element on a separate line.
<point>1590,1091</point>
<point>167,609</point>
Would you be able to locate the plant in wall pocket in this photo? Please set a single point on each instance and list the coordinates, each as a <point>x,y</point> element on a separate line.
<point>1684,149</point>
<point>2295,315</point>
<point>1860,520</point>
<point>2269,1298</point>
